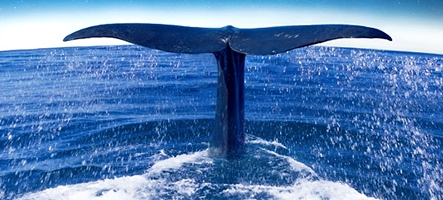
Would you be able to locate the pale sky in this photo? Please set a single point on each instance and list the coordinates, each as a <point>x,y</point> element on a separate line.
<point>414,26</point>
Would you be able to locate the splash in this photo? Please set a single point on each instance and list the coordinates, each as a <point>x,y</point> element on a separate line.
<point>160,182</point>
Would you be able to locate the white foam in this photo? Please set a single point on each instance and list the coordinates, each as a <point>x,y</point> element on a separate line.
<point>110,189</point>
<point>303,189</point>
<point>151,185</point>
<point>257,140</point>
<point>139,187</point>
<point>177,161</point>
<point>295,165</point>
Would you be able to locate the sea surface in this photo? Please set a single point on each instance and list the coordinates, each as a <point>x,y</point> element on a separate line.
<point>127,122</point>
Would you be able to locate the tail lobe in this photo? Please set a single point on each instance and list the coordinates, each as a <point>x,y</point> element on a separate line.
<point>255,41</point>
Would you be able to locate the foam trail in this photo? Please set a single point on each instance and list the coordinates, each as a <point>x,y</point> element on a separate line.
<point>156,184</point>
<point>177,161</point>
<point>303,189</point>
<point>119,188</point>
<point>256,140</point>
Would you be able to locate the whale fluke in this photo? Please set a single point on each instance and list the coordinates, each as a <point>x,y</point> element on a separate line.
<point>230,46</point>
<point>273,40</point>
<point>255,41</point>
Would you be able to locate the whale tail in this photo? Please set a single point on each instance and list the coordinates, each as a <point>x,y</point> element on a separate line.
<point>256,41</point>
<point>230,46</point>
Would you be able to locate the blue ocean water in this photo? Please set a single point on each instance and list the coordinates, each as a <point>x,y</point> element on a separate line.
<point>127,122</point>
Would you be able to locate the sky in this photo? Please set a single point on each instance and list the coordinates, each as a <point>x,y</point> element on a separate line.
<point>414,25</point>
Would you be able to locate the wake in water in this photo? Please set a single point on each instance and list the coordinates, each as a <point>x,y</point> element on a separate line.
<point>197,176</point>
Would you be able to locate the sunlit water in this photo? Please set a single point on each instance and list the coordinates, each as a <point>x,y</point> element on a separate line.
<point>126,122</point>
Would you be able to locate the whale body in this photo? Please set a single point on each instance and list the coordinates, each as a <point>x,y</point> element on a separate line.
<point>230,45</point>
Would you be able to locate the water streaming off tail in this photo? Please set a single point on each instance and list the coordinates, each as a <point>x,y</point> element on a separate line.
<point>133,123</point>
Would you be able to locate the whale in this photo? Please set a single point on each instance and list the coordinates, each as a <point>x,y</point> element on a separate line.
<point>230,45</point>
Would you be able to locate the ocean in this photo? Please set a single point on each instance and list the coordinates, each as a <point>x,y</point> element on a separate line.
<point>127,122</point>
